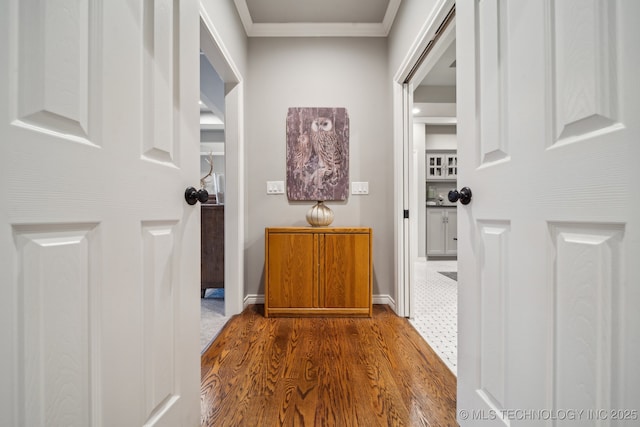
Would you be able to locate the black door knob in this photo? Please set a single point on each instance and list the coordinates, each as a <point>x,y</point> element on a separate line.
<point>464,195</point>
<point>191,195</point>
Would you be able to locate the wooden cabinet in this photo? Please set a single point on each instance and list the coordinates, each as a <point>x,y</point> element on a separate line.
<point>442,231</point>
<point>212,247</point>
<point>324,271</point>
<point>442,166</point>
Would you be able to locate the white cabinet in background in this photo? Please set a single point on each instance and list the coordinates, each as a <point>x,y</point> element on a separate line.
<point>442,166</point>
<point>442,231</point>
<point>451,166</point>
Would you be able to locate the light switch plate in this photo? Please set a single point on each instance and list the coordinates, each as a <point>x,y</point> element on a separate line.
<point>359,188</point>
<point>275,187</point>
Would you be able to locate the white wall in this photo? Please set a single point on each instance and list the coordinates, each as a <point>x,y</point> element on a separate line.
<point>319,72</point>
<point>410,20</point>
<point>419,137</point>
<point>441,137</point>
<point>438,94</point>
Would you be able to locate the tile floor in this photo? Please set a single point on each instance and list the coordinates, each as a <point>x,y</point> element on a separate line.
<point>435,313</point>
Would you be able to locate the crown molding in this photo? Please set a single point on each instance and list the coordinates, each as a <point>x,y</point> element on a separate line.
<point>390,15</point>
<point>313,29</point>
<point>245,16</point>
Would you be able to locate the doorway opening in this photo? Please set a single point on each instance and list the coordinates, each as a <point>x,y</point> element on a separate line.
<point>434,286</point>
<point>212,173</point>
<point>430,171</point>
<point>222,173</point>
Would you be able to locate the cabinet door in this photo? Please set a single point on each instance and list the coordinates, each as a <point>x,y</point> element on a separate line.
<point>451,245</point>
<point>435,166</point>
<point>451,166</point>
<point>292,270</point>
<point>345,277</point>
<point>435,231</point>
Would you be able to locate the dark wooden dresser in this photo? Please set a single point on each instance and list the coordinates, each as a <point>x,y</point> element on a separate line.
<point>212,247</point>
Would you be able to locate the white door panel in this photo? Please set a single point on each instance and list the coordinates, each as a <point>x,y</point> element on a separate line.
<point>548,131</point>
<point>99,251</point>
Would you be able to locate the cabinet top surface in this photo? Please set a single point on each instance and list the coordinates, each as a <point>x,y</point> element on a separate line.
<point>323,230</point>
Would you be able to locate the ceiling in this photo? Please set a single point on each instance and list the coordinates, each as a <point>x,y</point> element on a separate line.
<point>309,18</point>
<point>326,18</point>
<point>332,18</point>
<point>443,72</point>
<point>303,18</point>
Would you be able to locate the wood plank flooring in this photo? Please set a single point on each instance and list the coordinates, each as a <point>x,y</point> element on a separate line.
<point>324,372</point>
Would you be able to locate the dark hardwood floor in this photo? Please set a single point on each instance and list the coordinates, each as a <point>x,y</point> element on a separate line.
<point>324,372</point>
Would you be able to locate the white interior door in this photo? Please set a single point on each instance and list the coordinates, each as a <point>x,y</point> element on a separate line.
<point>549,140</point>
<point>99,253</point>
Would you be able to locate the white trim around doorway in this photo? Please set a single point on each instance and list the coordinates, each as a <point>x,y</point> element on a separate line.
<point>402,124</point>
<point>234,226</point>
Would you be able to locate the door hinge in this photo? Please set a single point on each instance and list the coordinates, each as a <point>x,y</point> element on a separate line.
<point>406,213</point>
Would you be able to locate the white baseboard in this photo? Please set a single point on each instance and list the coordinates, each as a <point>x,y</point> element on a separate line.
<point>386,300</point>
<point>253,299</point>
<point>377,299</point>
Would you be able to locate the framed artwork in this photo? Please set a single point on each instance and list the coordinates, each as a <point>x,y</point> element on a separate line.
<point>317,154</point>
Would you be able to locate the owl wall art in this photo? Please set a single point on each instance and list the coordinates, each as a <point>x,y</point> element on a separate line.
<point>317,154</point>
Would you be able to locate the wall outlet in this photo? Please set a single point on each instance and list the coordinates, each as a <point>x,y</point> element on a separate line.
<point>275,187</point>
<point>359,188</point>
